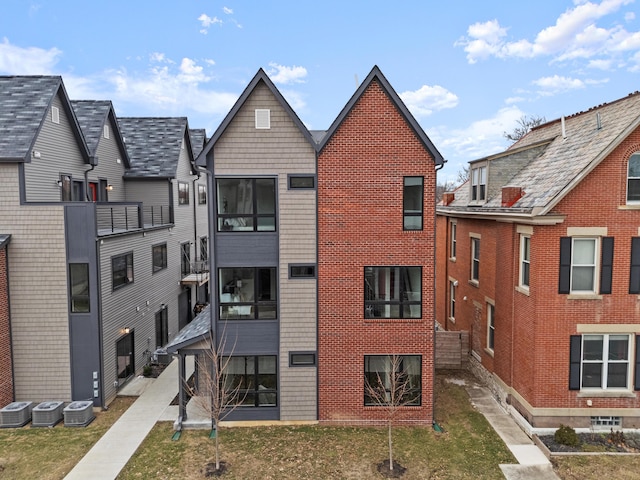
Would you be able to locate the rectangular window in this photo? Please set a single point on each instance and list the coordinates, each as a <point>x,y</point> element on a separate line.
<point>605,362</point>
<point>105,132</point>
<point>525,260</point>
<point>475,259</point>
<point>633,179</point>
<point>162,328</point>
<point>185,258</point>
<point>454,240</point>
<point>204,249</point>
<point>159,256</point>
<point>580,259</point>
<point>393,292</point>
<point>479,184</point>
<point>248,293</point>
<point>246,204</point>
<point>302,270</point>
<point>302,359</point>
<point>302,182</point>
<point>583,265</point>
<point>412,203</point>
<point>183,193</point>
<point>122,270</point>
<point>452,300</point>
<point>256,379</point>
<point>79,287</point>
<point>491,326</point>
<point>202,194</point>
<point>393,379</point>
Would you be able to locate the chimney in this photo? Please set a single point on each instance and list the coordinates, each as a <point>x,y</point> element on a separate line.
<point>448,198</point>
<point>511,195</point>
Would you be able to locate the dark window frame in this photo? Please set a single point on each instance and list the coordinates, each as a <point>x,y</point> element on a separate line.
<point>162,327</point>
<point>126,279</point>
<point>299,267</point>
<point>412,213</point>
<point>296,359</point>
<point>76,299</point>
<point>185,258</point>
<point>234,307</point>
<point>183,193</point>
<point>202,194</point>
<point>257,216</point>
<point>156,267</point>
<point>252,381</point>
<point>373,307</point>
<point>371,377</point>
<point>293,177</point>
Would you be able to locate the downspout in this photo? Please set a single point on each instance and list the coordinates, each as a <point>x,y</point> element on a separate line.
<point>86,178</point>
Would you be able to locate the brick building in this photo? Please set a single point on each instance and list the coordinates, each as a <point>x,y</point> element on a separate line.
<point>540,261</point>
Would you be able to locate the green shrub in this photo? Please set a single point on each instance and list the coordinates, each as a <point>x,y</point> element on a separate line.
<point>147,370</point>
<point>566,436</point>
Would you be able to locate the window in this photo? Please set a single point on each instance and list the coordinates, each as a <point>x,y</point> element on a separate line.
<point>103,190</point>
<point>105,132</point>
<point>202,194</point>
<point>183,193</point>
<point>159,254</point>
<point>399,376</point>
<point>55,114</point>
<point>204,249</point>
<point>475,259</point>
<point>412,203</point>
<point>452,300</point>
<point>634,271</point>
<point>185,258</point>
<point>633,179</point>
<point>302,182</point>
<point>263,118</point>
<point>256,379</point>
<point>525,260</point>
<point>454,233</point>
<point>248,293</point>
<point>479,184</point>
<point>606,421</point>
<point>122,270</point>
<point>79,287</point>
<point>580,259</point>
<point>302,359</point>
<point>393,292</point>
<point>71,190</point>
<point>302,271</point>
<point>125,364</point>
<point>491,325</point>
<point>583,264</point>
<point>600,362</point>
<point>162,328</point>
<point>246,204</point>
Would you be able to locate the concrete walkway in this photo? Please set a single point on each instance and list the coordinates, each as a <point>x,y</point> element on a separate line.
<point>532,463</point>
<point>112,452</point>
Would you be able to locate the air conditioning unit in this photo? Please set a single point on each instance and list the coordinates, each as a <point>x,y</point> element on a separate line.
<point>16,414</point>
<point>47,414</point>
<point>78,414</point>
<point>162,357</point>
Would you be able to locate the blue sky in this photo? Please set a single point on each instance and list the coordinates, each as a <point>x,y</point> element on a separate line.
<point>467,70</point>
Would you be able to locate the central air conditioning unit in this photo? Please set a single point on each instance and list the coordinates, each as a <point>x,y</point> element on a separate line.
<point>47,414</point>
<point>161,356</point>
<point>16,414</point>
<point>78,414</point>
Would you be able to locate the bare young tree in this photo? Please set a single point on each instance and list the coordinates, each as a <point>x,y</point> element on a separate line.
<point>392,389</point>
<point>525,124</point>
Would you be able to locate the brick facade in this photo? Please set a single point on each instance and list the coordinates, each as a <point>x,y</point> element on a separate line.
<point>6,368</point>
<point>360,223</point>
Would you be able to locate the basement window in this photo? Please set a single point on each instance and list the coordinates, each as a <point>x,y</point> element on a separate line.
<point>606,421</point>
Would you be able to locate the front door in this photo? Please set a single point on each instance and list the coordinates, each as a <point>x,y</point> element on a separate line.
<point>125,358</point>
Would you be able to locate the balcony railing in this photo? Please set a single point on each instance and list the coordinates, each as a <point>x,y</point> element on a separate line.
<point>198,272</point>
<point>118,217</point>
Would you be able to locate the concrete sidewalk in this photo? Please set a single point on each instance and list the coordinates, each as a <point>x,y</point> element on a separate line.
<point>532,463</point>
<point>112,452</point>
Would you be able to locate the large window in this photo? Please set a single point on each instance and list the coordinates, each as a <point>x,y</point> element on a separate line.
<point>122,270</point>
<point>159,255</point>
<point>246,204</point>
<point>583,265</point>
<point>412,203</point>
<point>633,179</point>
<point>248,293</point>
<point>183,193</point>
<point>79,287</point>
<point>525,260</point>
<point>603,361</point>
<point>162,328</point>
<point>586,265</point>
<point>479,184</point>
<point>475,259</point>
<point>255,378</point>
<point>395,379</point>
<point>393,292</point>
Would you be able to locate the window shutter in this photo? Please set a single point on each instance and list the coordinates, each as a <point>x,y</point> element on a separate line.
<point>636,381</point>
<point>574,362</point>
<point>634,276</point>
<point>564,283</point>
<point>606,265</point>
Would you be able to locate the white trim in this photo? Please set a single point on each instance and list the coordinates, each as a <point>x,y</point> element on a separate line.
<point>55,114</point>
<point>263,118</point>
<point>586,231</point>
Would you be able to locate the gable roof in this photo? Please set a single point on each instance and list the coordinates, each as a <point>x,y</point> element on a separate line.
<point>198,329</point>
<point>153,145</point>
<point>198,137</point>
<point>92,116</point>
<point>558,162</point>
<point>260,77</point>
<point>376,75</point>
<point>24,102</point>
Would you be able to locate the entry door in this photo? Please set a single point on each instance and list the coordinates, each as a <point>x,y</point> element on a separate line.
<point>184,308</point>
<point>124,351</point>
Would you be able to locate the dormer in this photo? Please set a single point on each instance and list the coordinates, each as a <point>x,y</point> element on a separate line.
<point>478,182</point>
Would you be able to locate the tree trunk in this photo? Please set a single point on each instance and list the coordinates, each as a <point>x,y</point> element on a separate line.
<point>390,448</point>
<point>217,449</point>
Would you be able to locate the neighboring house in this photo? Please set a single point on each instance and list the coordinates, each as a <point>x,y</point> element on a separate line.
<point>93,287</point>
<point>6,358</point>
<point>302,222</point>
<point>539,259</point>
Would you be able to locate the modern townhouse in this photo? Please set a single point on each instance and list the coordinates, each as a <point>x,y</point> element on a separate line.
<point>538,261</point>
<point>322,256</point>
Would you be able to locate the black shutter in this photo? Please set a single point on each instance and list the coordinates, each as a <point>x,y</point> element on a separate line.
<point>634,275</point>
<point>606,265</point>
<point>636,374</point>
<point>564,282</point>
<point>574,362</point>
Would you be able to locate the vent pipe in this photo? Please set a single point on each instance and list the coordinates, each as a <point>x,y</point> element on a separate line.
<point>598,121</point>
<point>564,131</point>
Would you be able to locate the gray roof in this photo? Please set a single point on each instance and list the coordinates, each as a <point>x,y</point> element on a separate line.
<point>550,165</point>
<point>196,330</point>
<point>23,104</point>
<point>4,239</point>
<point>198,137</point>
<point>153,145</point>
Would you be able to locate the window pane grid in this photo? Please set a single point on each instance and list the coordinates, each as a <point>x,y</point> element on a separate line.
<point>605,361</point>
<point>393,292</point>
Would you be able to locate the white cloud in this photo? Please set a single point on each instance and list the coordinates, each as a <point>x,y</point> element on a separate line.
<point>286,75</point>
<point>206,21</point>
<point>16,60</point>
<point>160,58</point>
<point>227,10</point>
<point>427,99</point>
<point>600,64</point>
<point>555,84</point>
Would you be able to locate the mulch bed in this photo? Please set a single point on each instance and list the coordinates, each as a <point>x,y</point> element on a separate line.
<point>595,442</point>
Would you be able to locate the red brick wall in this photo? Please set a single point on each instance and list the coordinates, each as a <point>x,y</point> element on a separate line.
<point>6,372</point>
<point>360,188</point>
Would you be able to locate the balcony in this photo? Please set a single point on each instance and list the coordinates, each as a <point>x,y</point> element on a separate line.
<point>195,273</point>
<point>120,217</point>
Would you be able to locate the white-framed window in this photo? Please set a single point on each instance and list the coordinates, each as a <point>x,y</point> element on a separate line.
<point>453,245</point>
<point>633,179</point>
<point>583,265</point>
<point>263,118</point>
<point>525,261</point>
<point>491,325</point>
<point>605,362</point>
<point>452,300</point>
<point>475,259</point>
<point>479,184</point>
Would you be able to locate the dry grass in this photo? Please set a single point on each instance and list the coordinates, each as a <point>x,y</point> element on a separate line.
<point>594,467</point>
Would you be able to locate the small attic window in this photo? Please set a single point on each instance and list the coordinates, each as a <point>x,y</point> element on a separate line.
<point>105,131</point>
<point>55,114</point>
<point>263,118</point>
